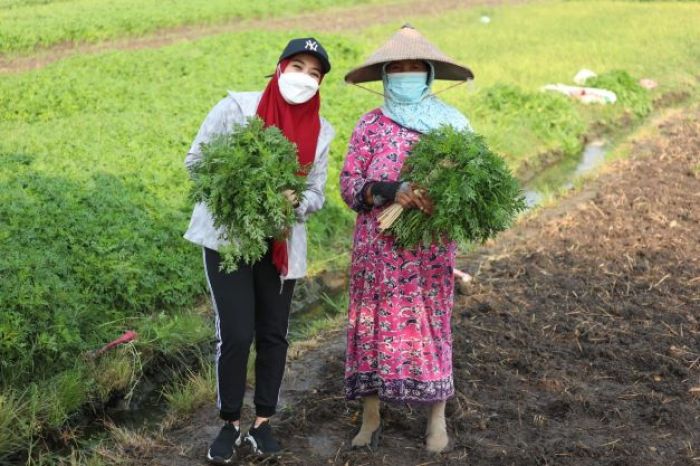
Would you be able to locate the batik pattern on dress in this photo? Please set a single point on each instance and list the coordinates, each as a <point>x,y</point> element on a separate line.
<point>399,343</point>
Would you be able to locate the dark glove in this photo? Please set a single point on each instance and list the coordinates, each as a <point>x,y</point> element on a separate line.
<point>383,191</point>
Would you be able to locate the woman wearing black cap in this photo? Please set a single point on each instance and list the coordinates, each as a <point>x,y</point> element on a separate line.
<point>249,303</point>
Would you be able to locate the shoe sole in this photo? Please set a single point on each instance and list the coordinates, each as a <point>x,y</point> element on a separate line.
<point>220,460</point>
<point>250,441</point>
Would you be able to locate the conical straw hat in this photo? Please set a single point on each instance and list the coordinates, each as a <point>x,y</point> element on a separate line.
<point>408,44</point>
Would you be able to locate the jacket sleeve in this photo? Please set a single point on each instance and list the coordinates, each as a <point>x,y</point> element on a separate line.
<point>313,197</point>
<point>353,176</point>
<point>219,121</point>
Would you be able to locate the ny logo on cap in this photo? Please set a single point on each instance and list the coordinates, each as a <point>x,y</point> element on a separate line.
<point>311,45</point>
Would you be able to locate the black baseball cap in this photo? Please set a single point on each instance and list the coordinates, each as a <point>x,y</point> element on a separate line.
<point>307,45</point>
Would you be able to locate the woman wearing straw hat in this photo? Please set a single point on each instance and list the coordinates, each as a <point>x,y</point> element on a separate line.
<point>399,345</point>
<point>250,303</point>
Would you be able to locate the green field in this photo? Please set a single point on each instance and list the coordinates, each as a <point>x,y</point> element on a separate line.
<point>34,24</point>
<point>93,192</point>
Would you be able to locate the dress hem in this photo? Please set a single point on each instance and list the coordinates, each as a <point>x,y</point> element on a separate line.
<point>400,390</point>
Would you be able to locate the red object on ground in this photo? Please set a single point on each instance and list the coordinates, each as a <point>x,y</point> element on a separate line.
<point>464,276</point>
<point>126,337</point>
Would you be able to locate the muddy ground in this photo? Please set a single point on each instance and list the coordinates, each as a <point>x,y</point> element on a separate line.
<point>577,342</point>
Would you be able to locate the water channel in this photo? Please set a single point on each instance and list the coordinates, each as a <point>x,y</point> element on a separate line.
<point>563,174</point>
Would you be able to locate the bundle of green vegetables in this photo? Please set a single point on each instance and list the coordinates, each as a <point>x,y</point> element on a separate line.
<point>241,178</point>
<point>473,191</point>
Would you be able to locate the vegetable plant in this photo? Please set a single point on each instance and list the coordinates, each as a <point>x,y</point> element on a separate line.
<point>241,178</point>
<point>473,191</point>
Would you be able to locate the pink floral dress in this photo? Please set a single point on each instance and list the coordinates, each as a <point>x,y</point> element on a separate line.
<point>399,343</point>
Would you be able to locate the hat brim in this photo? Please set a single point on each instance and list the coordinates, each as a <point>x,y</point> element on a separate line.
<point>325,64</point>
<point>443,70</point>
<point>408,44</point>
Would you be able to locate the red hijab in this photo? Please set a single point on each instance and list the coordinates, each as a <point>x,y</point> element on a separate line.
<point>301,124</point>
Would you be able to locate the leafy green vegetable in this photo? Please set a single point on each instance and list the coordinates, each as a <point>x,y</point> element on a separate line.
<point>241,178</point>
<point>629,92</point>
<point>474,192</point>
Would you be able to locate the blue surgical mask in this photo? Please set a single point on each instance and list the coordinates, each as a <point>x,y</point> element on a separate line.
<point>406,88</point>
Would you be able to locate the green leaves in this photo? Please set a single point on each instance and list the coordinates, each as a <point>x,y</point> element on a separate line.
<point>78,259</point>
<point>629,93</point>
<point>474,192</point>
<point>241,178</point>
<point>31,24</point>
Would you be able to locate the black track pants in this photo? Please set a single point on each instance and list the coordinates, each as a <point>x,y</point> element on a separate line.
<point>248,305</point>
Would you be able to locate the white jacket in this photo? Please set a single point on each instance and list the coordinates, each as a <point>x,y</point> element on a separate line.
<point>235,109</point>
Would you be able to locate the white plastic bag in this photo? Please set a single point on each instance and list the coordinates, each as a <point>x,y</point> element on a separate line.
<point>586,95</point>
<point>583,75</point>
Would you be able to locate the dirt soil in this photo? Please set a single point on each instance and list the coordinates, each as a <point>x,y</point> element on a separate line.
<point>577,342</point>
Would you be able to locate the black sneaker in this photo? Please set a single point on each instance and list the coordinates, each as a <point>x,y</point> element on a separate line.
<point>221,450</point>
<point>261,440</point>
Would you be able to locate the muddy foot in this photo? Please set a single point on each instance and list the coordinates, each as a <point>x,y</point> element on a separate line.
<point>371,424</point>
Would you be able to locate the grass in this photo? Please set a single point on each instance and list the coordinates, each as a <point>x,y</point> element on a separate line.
<point>198,388</point>
<point>621,148</point>
<point>93,193</point>
<point>633,96</point>
<point>317,320</point>
<point>15,427</point>
<point>195,390</point>
<point>50,402</point>
<point>543,122</point>
<point>30,25</point>
<point>528,46</point>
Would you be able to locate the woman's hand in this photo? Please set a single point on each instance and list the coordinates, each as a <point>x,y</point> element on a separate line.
<point>291,197</point>
<point>415,198</point>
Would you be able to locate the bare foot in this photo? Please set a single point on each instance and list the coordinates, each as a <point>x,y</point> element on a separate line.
<point>436,438</point>
<point>370,421</point>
